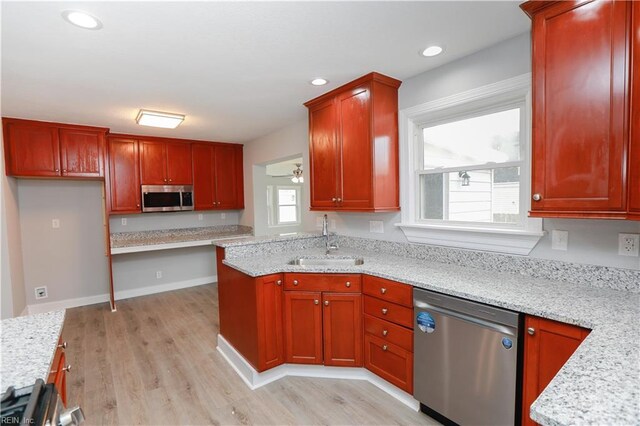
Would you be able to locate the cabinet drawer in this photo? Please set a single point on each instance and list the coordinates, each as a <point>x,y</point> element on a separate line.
<point>389,332</point>
<point>341,283</point>
<point>388,311</point>
<point>389,361</point>
<point>388,290</point>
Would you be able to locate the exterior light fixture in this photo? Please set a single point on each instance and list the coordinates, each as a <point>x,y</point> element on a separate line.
<point>165,120</point>
<point>297,174</point>
<point>465,178</point>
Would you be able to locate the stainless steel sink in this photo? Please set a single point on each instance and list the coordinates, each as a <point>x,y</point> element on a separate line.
<point>334,261</point>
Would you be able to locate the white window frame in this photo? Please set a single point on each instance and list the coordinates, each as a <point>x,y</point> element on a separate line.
<point>276,206</point>
<point>505,238</point>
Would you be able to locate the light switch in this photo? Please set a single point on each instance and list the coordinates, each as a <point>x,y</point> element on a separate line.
<point>559,240</point>
<point>124,221</point>
<point>223,216</point>
<point>55,223</point>
<point>200,216</point>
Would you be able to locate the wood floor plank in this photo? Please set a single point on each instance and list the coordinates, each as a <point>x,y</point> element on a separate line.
<point>155,362</point>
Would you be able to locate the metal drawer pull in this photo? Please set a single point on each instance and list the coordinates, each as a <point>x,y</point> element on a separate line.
<point>339,200</point>
<point>537,197</point>
<point>334,199</point>
<point>279,282</point>
<point>384,347</point>
<point>295,282</point>
<point>326,303</point>
<point>315,302</point>
<point>384,311</point>
<point>383,290</point>
<point>531,331</point>
<point>63,345</point>
<point>67,368</point>
<point>385,332</point>
<point>348,284</point>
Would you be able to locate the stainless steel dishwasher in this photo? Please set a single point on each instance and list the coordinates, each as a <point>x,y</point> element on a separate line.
<point>465,360</point>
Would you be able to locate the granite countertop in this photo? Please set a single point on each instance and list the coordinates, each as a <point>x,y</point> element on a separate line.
<point>169,236</point>
<point>28,346</point>
<point>600,384</point>
<point>266,239</point>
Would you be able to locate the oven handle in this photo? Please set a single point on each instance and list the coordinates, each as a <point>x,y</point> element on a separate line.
<point>468,318</point>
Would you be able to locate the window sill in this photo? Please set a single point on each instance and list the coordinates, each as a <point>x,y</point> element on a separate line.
<point>511,241</point>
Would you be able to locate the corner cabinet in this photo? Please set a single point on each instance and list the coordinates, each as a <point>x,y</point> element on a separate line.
<point>581,118</point>
<point>53,150</point>
<point>548,345</point>
<point>353,146</point>
<point>218,176</point>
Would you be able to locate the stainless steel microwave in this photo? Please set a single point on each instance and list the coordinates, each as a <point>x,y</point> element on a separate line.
<point>167,198</point>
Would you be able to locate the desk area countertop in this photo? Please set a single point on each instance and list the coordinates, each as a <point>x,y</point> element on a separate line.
<point>28,346</point>
<point>134,242</point>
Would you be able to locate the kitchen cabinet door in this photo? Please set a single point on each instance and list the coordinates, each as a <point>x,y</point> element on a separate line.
<point>303,327</point>
<point>124,176</point>
<point>548,345</point>
<point>226,177</point>
<point>580,75</point>
<point>389,361</point>
<point>58,373</point>
<point>270,326</point>
<point>31,149</point>
<point>342,329</point>
<point>179,169</point>
<point>634,128</point>
<point>355,173</point>
<point>82,153</point>
<point>203,176</point>
<point>324,154</point>
<point>153,163</point>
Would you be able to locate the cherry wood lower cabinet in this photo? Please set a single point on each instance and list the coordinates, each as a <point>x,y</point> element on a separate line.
<point>547,347</point>
<point>391,362</point>
<point>342,329</point>
<point>303,327</point>
<point>58,373</point>
<point>251,312</point>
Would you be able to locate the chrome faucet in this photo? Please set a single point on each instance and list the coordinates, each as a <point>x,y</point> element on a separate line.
<point>325,233</point>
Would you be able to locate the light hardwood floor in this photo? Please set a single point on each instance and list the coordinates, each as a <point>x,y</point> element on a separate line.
<point>155,362</point>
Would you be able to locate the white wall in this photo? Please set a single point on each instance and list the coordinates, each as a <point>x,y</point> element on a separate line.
<point>172,220</point>
<point>69,260</point>
<point>290,142</point>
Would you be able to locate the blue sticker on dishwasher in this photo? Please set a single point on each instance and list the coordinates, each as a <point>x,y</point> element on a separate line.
<point>507,343</point>
<point>426,323</point>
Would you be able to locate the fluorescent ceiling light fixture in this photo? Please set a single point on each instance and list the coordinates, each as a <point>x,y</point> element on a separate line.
<point>82,19</point>
<point>319,81</point>
<point>432,51</point>
<point>165,120</point>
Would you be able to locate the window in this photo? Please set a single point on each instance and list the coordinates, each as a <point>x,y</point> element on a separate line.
<point>283,205</point>
<point>465,170</point>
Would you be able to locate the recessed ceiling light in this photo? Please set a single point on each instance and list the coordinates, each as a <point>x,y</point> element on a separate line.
<point>319,81</point>
<point>432,51</point>
<point>82,19</point>
<point>165,120</point>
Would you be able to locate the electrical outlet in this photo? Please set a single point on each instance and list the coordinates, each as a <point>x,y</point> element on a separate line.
<point>223,216</point>
<point>55,223</point>
<point>559,240</point>
<point>200,217</point>
<point>123,221</point>
<point>628,244</point>
<point>376,226</point>
<point>158,274</point>
<point>41,292</point>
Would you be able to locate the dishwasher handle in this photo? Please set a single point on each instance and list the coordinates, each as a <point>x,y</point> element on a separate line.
<point>468,318</point>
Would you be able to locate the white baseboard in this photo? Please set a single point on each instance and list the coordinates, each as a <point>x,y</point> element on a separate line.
<point>255,380</point>
<point>39,308</point>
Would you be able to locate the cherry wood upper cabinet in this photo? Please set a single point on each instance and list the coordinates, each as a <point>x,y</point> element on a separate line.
<point>218,176</point>
<point>41,149</point>
<point>123,183</point>
<point>548,346</point>
<point>634,127</point>
<point>581,64</point>
<point>353,146</point>
<point>165,163</point>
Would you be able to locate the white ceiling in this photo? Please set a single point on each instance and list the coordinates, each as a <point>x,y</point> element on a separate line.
<point>283,168</point>
<point>238,70</point>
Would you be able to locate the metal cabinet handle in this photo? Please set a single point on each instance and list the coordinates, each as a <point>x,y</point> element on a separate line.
<point>348,284</point>
<point>326,303</point>
<point>137,205</point>
<point>339,199</point>
<point>295,282</point>
<point>57,170</point>
<point>63,345</point>
<point>67,368</point>
<point>64,170</point>
<point>385,332</point>
<point>383,290</point>
<point>165,179</point>
<point>315,302</point>
<point>170,180</point>
<point>537,197</point>
<point>279,282</point>
<point>384,347</point>
<point>531,331</point>
<point>334,199</point>
<point>384,311</point>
